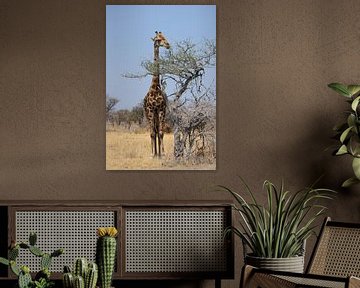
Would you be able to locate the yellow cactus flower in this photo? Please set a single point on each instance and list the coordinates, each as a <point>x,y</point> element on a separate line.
<point>106,231</point>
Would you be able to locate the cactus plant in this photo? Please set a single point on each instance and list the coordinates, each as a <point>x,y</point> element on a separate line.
<point>24,277</point>
<point>68,280</point>
<point>79,282</point>
<point>42,278</point>
<point>84,274</point>
<point>105,254</point>
<point>81,266</point>
<point>91,276</point>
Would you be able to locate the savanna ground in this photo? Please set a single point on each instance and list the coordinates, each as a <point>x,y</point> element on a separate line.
<point>131,150</point>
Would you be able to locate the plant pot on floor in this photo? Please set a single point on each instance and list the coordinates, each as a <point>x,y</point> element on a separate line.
<point>290,264</point>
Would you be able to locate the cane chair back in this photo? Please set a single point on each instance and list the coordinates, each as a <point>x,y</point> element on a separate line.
<point>337,252</point>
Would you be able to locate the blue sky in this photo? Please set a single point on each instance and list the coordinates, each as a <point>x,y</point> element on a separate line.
<point>128,32</point>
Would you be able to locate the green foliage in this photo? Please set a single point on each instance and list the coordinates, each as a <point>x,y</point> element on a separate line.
<point>42,278</point>
<point>42,283</point>
<point>279,229</point>
<point>348,132</point>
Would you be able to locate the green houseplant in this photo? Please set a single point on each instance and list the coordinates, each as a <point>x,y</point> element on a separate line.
<point>42,278</point>
<point>348,132</point>
<point>279,229</point>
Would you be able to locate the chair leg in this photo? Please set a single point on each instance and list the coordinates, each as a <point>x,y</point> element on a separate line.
<point>217,282</point>
<point>246,273</point>
<point>250,278</point>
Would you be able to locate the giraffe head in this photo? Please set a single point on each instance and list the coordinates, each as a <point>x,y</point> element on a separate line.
<point>160,40</point>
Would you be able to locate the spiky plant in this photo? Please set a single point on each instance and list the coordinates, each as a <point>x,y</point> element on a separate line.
<point>106,254</point>
<point>279,229</point>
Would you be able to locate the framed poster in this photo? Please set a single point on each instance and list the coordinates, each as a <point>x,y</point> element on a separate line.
<point>160,87</point>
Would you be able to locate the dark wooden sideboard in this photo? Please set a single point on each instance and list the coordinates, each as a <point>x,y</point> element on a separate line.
<point>157,240</point>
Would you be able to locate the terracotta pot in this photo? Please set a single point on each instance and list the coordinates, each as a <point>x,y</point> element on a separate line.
<point>291,264</point>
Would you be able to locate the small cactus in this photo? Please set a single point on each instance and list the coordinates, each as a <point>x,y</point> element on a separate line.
<point>24,278</point>
<point>68,280</point>
<point>57,252</point>
<point>45,261</point>
<point>80,268</point>
<point>91,276</point>
<point>44,273</point>
<point>32,238</point>
<point>14,268</point>
<point>13,253</point>
<point>36,251</point>
<point>106,254</point>
<point>79,282</point>
<point>83,274</point>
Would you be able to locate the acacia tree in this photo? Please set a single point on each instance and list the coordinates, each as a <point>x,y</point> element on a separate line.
<point>191,103</point>
<point>109,108</point>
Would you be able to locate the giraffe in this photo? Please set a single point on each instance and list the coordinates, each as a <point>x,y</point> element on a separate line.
<point>155,100</point>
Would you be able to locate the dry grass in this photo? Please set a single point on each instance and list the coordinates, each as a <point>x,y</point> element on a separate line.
<point>132,151</point>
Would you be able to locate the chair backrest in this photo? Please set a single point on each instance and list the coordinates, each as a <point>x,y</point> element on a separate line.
<point>337,251</point>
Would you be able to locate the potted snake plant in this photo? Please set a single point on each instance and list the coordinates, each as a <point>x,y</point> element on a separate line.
<point>274,234</point>
<point>348,133</point>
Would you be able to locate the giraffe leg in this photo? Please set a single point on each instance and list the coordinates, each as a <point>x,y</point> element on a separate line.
<point>153,143</point>
<point>152,134</point>
<point>161,131</point>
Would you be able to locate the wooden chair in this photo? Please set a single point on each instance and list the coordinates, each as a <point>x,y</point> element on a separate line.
<point>335,262</point>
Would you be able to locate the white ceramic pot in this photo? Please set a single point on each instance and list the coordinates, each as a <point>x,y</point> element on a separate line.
<point>291,264</point>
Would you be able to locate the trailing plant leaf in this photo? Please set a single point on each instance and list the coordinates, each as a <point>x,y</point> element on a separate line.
<point>349,132</point>
<point>340,88</point>
<point>356,167</point>
<point>353,89</point>
<point>345,134</point>
<point>342,150</point>
<point>349,182</point>
<point>355,103</point>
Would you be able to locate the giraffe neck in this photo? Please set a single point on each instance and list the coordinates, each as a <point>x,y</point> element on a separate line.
<point>156,75</point>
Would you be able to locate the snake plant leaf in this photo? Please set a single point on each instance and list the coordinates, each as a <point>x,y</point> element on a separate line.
<point>341,89</point>
<point>342,150</point>
<point>356,167</point>
<point>353,89</point>
<point>349,182</point>
<point>355,103</point>
<point>345,134</point>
